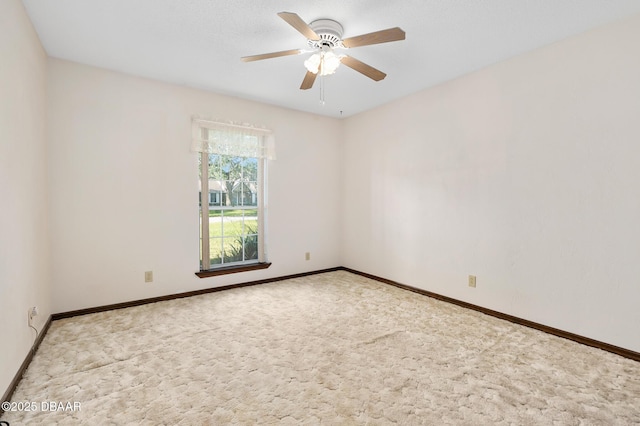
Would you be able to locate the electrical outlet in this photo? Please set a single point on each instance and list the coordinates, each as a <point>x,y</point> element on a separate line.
<point>32,312</point>
<point>307,256</point>
<point>472,281</point>
<point>148,277</point>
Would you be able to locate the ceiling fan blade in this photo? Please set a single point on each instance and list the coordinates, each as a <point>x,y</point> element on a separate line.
<point>296,22</point>
<point>383,36</point>
<point>363,68</point>
<point>308,81</point>
<point>271,55</point>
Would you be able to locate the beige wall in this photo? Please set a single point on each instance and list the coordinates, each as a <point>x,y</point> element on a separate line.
<point>526,174</point>
<point>124,186</point>
<point>24,233</point>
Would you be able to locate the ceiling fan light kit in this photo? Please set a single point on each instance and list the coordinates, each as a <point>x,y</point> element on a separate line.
<point>324,62</point>
<point>325,35</point>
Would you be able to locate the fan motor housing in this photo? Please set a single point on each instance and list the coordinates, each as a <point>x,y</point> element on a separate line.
<point>329,31</point>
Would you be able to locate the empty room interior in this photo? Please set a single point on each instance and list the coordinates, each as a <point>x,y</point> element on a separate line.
<point>442,230</point>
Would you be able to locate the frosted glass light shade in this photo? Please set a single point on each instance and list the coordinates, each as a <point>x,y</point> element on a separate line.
<point>323,62</point>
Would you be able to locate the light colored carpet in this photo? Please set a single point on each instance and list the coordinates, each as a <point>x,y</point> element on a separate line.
<point>333,348</point>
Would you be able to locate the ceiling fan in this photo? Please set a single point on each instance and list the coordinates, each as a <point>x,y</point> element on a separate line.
<point>325,35</point>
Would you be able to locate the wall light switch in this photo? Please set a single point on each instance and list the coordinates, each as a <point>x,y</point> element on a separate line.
<point>148,277</point>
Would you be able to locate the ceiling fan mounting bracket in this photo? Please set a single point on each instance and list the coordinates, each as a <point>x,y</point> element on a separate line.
<point>329,31</point>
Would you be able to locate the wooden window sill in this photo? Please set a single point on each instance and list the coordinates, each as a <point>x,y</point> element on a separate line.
<point>224,270</point>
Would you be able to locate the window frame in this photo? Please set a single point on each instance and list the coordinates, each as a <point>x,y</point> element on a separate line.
<point>206,268</point>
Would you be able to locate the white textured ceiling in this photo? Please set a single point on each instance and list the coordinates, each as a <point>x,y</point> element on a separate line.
<point>198,43</point>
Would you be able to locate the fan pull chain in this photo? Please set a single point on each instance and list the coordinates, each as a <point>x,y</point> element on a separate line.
<point>321,72</point>
<point>322,102</point>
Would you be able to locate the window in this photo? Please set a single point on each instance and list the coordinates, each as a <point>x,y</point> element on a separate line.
<point>214,196</point>
<point>232,161</point>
